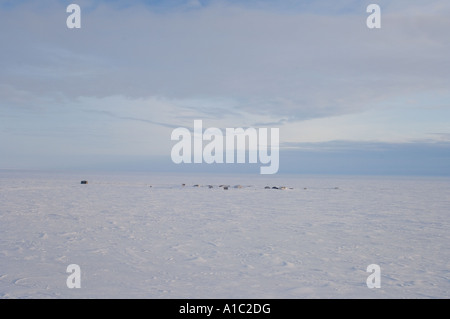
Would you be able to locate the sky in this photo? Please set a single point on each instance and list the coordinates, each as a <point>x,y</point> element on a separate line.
<point>346,99</point>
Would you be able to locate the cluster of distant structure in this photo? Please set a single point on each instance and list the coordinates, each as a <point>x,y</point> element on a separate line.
<point>225,187</point>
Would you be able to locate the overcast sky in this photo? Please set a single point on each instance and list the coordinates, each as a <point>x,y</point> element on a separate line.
<point>110,94</point>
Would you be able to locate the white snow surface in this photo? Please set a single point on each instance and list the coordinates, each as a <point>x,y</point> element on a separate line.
<point>168,241</point>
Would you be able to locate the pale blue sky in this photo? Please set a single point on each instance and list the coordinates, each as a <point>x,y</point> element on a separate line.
<point>112,91</point>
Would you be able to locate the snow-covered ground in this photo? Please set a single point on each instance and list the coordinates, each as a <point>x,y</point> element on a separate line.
<point>168,241</point>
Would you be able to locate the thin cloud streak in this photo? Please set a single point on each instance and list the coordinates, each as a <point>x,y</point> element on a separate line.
<point>136,70</point>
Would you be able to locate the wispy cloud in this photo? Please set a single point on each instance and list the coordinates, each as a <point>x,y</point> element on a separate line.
<point>130,118</point>
<point>311,68</point>
<point>298,65</point>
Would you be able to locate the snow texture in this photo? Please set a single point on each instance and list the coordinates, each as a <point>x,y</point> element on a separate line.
<point>147,236</point>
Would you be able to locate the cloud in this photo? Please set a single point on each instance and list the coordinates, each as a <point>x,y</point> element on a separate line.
<point>312,68</point>
<point>288,65</point>
<point>347,157</point>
